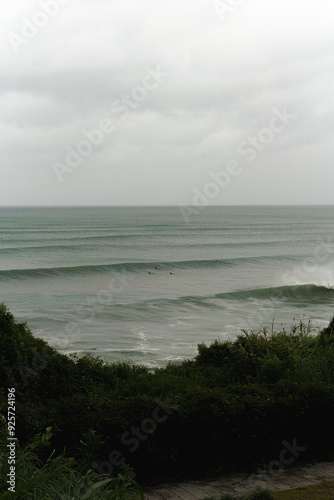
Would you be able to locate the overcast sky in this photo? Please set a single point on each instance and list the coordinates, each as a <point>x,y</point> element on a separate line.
<point>166,102</point>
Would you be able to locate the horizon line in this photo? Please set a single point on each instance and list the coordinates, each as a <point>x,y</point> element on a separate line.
<point>171,206</point>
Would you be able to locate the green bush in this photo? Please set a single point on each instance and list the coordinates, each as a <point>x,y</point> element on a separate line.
<point>229,408</point>
<point>59,477</point>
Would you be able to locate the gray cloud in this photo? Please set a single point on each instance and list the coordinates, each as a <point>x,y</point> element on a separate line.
<point>224,79</point>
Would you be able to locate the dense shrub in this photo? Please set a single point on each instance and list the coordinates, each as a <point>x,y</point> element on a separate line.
<point>231,407</point>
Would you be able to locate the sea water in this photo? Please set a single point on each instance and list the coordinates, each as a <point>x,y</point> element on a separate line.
<point>149,285</point>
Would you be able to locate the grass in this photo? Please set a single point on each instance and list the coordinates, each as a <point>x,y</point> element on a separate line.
<point>324,491</point>
<point>58,478</point>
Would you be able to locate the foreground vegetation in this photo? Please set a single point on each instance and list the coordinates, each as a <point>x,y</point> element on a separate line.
<point>266,398</point>
<point>60,478</point>
<point>324,491</point>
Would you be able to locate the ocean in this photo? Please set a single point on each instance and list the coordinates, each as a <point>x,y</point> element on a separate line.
<point>149,285</point>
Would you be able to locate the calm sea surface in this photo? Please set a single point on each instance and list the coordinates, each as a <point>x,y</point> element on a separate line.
<point>147,285</point>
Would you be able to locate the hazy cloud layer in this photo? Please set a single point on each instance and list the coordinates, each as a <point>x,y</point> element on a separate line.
<point>177,90</point>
